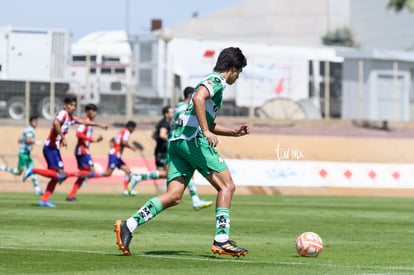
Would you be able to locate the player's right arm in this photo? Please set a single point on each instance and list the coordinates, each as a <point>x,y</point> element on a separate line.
<point>58,128</point>
<point>199,102</point>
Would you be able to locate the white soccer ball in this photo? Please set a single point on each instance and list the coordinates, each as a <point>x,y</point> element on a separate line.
<point>309,244</point>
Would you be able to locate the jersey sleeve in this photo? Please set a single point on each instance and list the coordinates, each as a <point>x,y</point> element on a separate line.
<point>81,128</point>
<point>212,84</point>
<point>125,137</point>
<point>61,116</point>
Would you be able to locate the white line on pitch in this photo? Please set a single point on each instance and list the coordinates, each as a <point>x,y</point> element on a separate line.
<point>239,261</point>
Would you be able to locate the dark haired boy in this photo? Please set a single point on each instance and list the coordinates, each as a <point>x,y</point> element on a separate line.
<point>85,137</point>
<point>192,147</point>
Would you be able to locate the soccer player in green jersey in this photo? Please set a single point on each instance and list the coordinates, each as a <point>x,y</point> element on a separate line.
<point>26,141</point>
<point>192,146</point>
<point>163,132</point>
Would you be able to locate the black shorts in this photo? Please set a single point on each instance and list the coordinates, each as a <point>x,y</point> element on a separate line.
<point>161,159</point>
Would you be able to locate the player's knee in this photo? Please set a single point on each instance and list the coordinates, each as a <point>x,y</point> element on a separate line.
<point>229,187</point>
<point>176,202</point>
<point>175,199</point>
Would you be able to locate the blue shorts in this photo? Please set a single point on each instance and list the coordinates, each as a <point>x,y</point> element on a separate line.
<point>85,162</point>
<point>114,162</point>
<point>53,158</point>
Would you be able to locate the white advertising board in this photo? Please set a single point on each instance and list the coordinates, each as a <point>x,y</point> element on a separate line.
<point>318,174</point>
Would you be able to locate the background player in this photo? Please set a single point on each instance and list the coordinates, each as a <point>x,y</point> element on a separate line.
<point>51,150</point>
<point>82,152</point>
<point>117,144</point>
<point>26,141</point>
<point>160,135</point>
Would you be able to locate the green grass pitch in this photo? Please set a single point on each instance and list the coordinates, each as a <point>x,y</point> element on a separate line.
<point>361,236</point>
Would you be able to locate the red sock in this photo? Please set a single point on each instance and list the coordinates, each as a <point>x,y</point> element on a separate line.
<point>48,173</point>
<point>126,178</point>
<point>75,187</point>
<point>49,190</point>
<point>80,173</point>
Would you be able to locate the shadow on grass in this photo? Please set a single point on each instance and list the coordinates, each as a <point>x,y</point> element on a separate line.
<point>188,253</point>
<point>168,252</point>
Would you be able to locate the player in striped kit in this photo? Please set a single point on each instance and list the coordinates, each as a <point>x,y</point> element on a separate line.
<point>51,150</point>
<point>82,152</point>
<point>118,143</point>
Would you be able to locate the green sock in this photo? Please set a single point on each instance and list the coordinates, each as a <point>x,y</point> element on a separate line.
<point>150,209</point>
<point>11,170</point>
<point>35,181</point>
<point>192,188</point>
<point>222,224</point>
<point>151,175</point>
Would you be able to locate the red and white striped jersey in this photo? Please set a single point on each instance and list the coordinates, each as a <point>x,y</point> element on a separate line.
<point>85,137</point>
<point>119,140</point>
<point>65,120</point>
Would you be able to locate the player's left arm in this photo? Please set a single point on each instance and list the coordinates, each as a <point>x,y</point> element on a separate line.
<point>242,130</point>
<point>92,123</point>
<point>125,142</point>
<point>84,137</point>
<point>127,145</point>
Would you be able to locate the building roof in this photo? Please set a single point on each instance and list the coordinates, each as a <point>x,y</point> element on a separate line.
<point>103,42</point>
<point>300,22</point>
<point>305,22</point>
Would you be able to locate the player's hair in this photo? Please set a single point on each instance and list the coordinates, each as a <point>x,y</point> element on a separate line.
<point>70,99</point>
<point>165,109</point>
<point>32,118</point>
<point>91,106</point>
<point>130,124</point>
<point>229,58</point>
<point>187,92</point>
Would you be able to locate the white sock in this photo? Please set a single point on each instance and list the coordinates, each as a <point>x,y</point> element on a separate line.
<point>131,224</point>
<point>195,199</point>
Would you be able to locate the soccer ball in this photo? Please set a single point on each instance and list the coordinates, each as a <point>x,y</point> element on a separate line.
<point>309,244</point>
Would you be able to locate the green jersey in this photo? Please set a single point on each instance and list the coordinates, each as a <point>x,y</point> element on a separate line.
<point>187,126</point>
<point>24,146</point>
<point>177,119</point>
<point>179,111</point>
